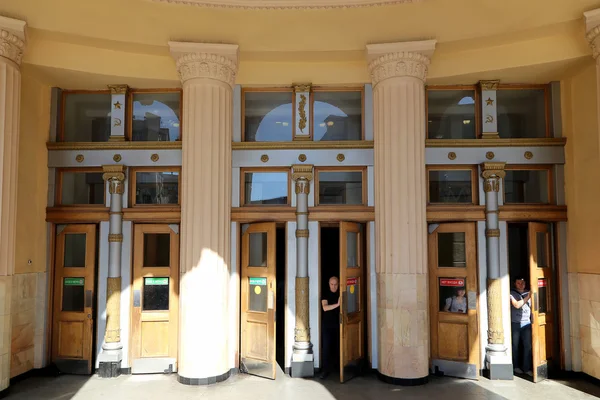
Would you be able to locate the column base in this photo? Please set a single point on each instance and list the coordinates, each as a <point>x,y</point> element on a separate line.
<point>203,381</point>
<point>303,365</point>
<point>498,367</point>
<point>110,363</point>
<point>109,369</point>
<point>403,381</point>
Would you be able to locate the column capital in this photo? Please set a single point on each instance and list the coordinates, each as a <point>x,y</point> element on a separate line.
<point>118,89</point>
<point>206,60</point>
<point>12,39</point>
<point>592,29</point>
<point>493,170</point>
<point>114,175</point>
<point>489,85</point>
<point>302,171</point>
<point>395,60</point>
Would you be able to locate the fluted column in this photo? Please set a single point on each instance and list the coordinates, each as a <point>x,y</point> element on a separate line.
<point>112,349</point>
<point>12,44</point>
<point>302,357</point>
<point>207,72</point>
<point>398,72</point>
<point>592,26</point>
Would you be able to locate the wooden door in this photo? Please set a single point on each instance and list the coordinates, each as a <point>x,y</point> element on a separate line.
<point>258,300</point>
<point>453,315</point>
<point>541,282</point>
<point>352,307</point>
<point>74,298</point>
<point>155,295</point>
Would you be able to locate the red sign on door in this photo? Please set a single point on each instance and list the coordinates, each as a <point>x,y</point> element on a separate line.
<point>351,281</point>
<point>542,283</point>
<point>452,282</point>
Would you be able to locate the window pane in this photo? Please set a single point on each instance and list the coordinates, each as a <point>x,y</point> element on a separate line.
<point>451,250</point>
<point>340,188</point>
<point>451,114</point>
<point>452,295</point>
<point>453,186</point>
<point>258,294</point>
<point>156,116</point>
<point>542,250</point>
<point>266,188</point>
<point>82,188</point>
<point>87,117</point>
<point>543,295</point>
<point>73,294</point>
<point>157,249</point>
<point>157,187</point>
<point>258,249</point>
<point>353,293</point>
<point>156,294</point>
<point>74,250</point>
<point>337,116</point>
<point>268,116</point>
<point>521,113</point>
<point>352,249</point>
<point>526,186</point>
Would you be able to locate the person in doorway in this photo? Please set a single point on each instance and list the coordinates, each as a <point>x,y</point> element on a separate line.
<point>520,317</point>
<point>330,325</point>
<point>457,303</point>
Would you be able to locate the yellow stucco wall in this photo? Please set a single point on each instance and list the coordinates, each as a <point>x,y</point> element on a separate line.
<point>28,297</point>
<point>582,170</point>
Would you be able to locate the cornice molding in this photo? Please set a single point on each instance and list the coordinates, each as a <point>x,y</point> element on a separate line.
<point>205,60</point>
<point>287,4</point>
<point>12,39</point>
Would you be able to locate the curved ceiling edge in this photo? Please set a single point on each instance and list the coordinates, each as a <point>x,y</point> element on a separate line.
<point>287,4</point>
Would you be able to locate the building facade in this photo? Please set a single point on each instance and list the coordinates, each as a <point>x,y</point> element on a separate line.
<point>170,204</point>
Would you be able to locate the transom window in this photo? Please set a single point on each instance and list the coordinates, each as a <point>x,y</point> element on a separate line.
<point>451,184</point>
<point>528,185</point>
<point>523,111</point>
<point>154,186</point>
<point>85,116</point>
<point>334,114</point>
<point>155,115</point>
<point>337,186</point>
<point>452,112</point>
<point>265,187</point>
<point>80,186</point>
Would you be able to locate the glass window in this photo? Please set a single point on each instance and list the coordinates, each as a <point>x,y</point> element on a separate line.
<point>526,186</point>
<point>86,117</point>
<point>265,188</point>
<point>258,294</point>
<point>353,295</point>
<point>74,250</point>
<point>337,116</point>
<point>451,250</point>
<point>73,294</point>
<point>352,249</point>
<point>156,116</point>
<point>157,187</point>
<point>82,188</point>
<point>542,250</point>
<point>156,294</point>
<point>258,249</point>
<point>521,113</point>
<point>451,114</point>
<point>452,295</point>
<point>157,249</point>
<point>543,295</point>
<point>341,187</point>
<point>450,186</point>
<point>268,116</point>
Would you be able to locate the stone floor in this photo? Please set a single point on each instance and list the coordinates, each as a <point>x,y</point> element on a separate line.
<point>163,387</point>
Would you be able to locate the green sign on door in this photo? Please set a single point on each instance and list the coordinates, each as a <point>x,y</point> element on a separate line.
<point>74,281</point>
<point>156,281</point>
<point>258,281</point>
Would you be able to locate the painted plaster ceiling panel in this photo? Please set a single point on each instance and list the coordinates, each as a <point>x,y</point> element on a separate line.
<point>288,4</point>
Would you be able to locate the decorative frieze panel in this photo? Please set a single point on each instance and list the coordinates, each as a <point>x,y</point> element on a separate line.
<point>117,112</point>
<point>302,112</point>
<point>489,112</point>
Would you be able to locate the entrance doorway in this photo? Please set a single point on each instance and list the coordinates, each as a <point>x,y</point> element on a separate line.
<point>263,300</point>
<point>155,290</point>
<point>531,256</point>
<point>452,250</point>
<point>342,254</point>
<point>74,308</point>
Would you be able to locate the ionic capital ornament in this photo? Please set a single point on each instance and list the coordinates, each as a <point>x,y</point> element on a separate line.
<point>12,39</point>
<point>489,85</point>
<point>302,172</point>
<point>118,89</point>
<point>396,60</point>
<point>592,27</point>
<point>492,172</point>
<point>114,175</point>
<point>206,60</point>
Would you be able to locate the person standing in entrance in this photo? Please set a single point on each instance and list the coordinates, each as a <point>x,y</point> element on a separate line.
<point>330,324</point>
<point>520,316</point>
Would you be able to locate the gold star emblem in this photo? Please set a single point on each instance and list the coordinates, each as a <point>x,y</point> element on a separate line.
<point>489,101</point>
<point>117,105</point>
